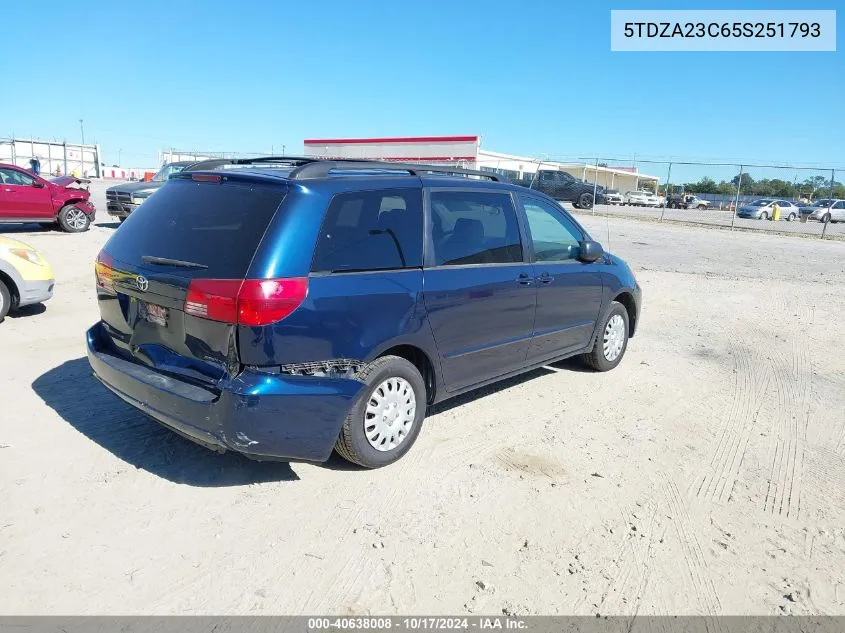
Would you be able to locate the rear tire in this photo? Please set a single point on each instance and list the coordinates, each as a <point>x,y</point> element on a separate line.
<point>73,220</point>
<point>5,301</point>
<point>790,217</point>
<point>611,341</point>
<point>362,429</point>
<point>764,216</point>
<point>585,201</point>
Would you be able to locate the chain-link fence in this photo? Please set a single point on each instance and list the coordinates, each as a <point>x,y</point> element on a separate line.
<point>775,198</point>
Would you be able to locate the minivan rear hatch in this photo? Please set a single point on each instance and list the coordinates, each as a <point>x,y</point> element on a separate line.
<point>168,278</point>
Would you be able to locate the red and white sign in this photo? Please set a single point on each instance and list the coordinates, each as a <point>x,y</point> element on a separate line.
<point>427,149</point>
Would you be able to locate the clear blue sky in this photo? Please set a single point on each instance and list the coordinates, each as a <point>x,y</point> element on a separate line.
<point>535,78</point>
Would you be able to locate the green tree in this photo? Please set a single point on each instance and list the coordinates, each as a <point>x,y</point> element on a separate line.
<point>705,185</point>
<point>747,182</point>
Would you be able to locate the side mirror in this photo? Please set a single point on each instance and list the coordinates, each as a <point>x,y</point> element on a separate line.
<point>37,184</point>
<point>590,251</point>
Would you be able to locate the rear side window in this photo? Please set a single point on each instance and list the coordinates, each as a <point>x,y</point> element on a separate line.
<point>216,225</point>
<point>371,230</point>
<point>470,227</point>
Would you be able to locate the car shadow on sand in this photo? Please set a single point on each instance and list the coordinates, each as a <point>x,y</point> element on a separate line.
<point>72,391</point>
<point>107,225</point>
<point>28,311</point>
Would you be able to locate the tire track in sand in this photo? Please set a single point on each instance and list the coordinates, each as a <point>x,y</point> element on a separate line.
<point>791,380</point>
<point>749,388</point>
<point>695,563</point>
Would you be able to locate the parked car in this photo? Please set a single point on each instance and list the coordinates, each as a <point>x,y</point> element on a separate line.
<point>25,276</point>
<point>652,200</point>
<point>25,197</point>
<point>694,202</point>
<point>763,209</point>
<point>828,210</point>
<point>256,325</point>
<point>564,187</point>
<point>123,199</point>
<point>612,196</point>
<point>637,198</point>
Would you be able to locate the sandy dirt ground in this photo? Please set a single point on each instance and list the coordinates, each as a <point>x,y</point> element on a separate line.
<point>705,475</point>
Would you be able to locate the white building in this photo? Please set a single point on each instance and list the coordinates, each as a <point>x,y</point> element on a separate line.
<point>466,151</point>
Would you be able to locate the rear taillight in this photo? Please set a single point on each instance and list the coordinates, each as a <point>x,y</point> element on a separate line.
<point>104,272</point>
<point>251,302</point>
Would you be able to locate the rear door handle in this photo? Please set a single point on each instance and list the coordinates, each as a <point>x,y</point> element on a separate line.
<point>524,279</point>
<point>545,278</point>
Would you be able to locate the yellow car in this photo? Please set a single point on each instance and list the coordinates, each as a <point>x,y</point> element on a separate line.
<point>25,276</point>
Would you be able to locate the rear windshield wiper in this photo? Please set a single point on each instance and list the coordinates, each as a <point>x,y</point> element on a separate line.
<point>166,261</point>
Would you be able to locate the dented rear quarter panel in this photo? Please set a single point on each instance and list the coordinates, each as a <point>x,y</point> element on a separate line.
<point>350,315</point>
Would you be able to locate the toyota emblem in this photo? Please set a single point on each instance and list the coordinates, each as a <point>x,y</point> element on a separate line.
<point>142,282</point>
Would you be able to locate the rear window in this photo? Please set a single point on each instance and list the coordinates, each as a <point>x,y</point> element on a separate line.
<point>216,225</point>
<point>371,230</point>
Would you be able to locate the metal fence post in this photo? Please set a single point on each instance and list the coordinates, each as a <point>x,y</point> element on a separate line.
<point>736,200</point>
<point>595,184</point>
<point>666,197</point>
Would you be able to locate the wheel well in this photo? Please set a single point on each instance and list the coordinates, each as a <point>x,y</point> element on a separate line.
<point>421,361</point>
<point>627,300</point>
<point>13,289</point>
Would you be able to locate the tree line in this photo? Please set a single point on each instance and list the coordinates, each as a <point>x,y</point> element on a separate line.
<point>813,188</point>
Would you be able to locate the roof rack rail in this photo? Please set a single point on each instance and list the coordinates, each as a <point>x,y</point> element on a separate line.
<point>316,168</point>
<point>215,163</point>
<point>305,167</point>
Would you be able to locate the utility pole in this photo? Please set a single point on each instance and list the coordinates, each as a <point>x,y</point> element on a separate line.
<point>283,150</point>
<point>119,164</point>
<point>82,129</point>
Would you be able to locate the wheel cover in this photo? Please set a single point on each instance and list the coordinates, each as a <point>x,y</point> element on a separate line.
<point>585,200</point>
<point>390,414</point>
<point>76,219</point>
<point>614,338</point>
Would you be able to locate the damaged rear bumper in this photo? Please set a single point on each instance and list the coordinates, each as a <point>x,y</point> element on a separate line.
<point>263,416</point>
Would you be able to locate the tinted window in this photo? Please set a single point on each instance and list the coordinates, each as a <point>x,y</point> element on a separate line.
<point>474,228</point>
<point>371,230</point>
<point>839,205</point>
<point>554,236</point>
<point>15,177</point>
<point>217,225</point>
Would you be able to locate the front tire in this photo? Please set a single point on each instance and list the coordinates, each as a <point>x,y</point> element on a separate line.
<point>73,220</point>
<point>790,217</point>
<point>826,218</point>
<point>585,201</point>
<point>612,340</point>
<point>764,216</point>
<point>5,301</point>
<point>386,419</point>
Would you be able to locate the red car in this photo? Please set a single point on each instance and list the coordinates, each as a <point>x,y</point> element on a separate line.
<point>25,197</point>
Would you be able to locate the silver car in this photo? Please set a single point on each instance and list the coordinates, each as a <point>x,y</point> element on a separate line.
<point>612,196</point>
<point>763,209</point>
<point>637,198</point>
<point>829,210</point>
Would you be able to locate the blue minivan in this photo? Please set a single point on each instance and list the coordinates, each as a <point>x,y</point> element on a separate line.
<point>282,308</point>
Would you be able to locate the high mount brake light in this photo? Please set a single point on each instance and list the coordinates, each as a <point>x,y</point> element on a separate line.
<point>206,177</point>
<point>250,302</point>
